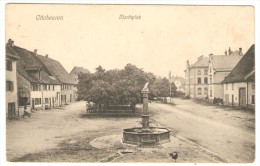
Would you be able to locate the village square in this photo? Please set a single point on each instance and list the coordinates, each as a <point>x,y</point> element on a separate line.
<point>102,95</point>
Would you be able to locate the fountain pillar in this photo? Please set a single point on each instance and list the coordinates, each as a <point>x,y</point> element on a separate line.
<point>146,135</point>
<point>145,116</point>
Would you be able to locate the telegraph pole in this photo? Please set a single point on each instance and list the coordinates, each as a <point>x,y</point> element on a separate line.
<point>170,80</point>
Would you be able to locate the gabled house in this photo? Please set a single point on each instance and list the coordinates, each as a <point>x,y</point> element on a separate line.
<point>196,78</point>
<point>56,70</point>
<point>11,81</point>
<point>74,73</point>
<point>219,67</point>
<point>239,85</point>
<point>36,89</point>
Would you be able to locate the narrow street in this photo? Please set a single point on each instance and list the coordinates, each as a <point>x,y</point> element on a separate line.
<point>199,133</point>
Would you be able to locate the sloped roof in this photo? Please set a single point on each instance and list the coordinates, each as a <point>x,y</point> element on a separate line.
<point>20,66</point>
<point>243,67</point>
<point>55,69</point>
<point>225,62</point>
<point>10,52</point>
<point>28,64</point>
<point>77,70</point>
<point>201,62</point>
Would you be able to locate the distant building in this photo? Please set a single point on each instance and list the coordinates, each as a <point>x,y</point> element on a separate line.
<point>74,75</point>
<point>239,85</point>
<point>11,82</point>
<point>219,67</point>
<point>77,70</point>
<point>179,83</point>
<point>196,78</point>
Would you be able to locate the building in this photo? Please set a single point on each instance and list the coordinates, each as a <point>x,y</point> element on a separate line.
<point>11,82</point>
<point>36,88</point>
<point>74,75</point>
<point>56,70</point>
<point>196,78</point>
<point>77,70</point>
<point>239,85</point>
<point>219,67</point>
<point>179,83</point>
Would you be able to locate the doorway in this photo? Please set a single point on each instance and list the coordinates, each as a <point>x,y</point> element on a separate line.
<point>11,110</point>
<point>242,97</point>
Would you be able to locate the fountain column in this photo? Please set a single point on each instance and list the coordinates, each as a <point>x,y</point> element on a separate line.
<point>145,116</point>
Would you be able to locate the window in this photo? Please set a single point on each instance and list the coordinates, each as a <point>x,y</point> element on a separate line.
<point>199,91</point>
<point>9,86</point>
<point>232,86</point>
<point>46,100</point>
<point>44,87</point>
<point>210,92</point>
<point>199,80</point>
<point>199,72</point>
<point>253,99</point>
<point>35,87</point>
<point>38,101</point>
<point>253,86</point>
<point>205,80</point>
<point>206,72</point>
<point>9,65</point>
<point>205,91</point>
<point>53,87</point>
<point>226,86</point>
<point>210,80</point>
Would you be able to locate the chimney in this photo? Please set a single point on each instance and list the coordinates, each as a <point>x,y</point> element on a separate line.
<point>240,51</point>
<point>35,52</point>
<point>229,51</point>
<point>188,62</point>
<point>226,52</point>
<point>46,56</point>
<point>10,42</point>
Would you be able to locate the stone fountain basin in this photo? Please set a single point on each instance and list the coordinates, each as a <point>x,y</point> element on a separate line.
<point>152,136</point>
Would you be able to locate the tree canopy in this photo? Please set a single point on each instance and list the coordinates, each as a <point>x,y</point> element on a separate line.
<point>119,87</point>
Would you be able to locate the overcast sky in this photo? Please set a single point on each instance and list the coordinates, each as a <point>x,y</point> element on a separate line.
<point>161,41</point>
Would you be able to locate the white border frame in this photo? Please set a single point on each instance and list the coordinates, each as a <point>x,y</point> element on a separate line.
<point>254,3</point>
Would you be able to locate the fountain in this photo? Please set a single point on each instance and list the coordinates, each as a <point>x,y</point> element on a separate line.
<point>146,135</point>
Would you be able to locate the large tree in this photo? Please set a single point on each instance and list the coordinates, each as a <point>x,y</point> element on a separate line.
<point>119,87</point>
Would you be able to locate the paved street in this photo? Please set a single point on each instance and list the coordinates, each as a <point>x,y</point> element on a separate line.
<point>199,133</point>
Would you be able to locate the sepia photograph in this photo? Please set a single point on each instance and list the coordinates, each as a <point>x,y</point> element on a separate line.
<point>129,83</point>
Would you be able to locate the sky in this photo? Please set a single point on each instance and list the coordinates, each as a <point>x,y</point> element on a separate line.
<point>163,39</point>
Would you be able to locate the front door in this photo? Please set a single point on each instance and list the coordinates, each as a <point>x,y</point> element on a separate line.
<point>226,99</point>
<point>232,100</point>
<point>11,110</point>
<point>242,97</point>
<point>32,103</point>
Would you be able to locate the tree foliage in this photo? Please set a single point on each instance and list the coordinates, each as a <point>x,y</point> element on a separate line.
<point>119,87</point>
